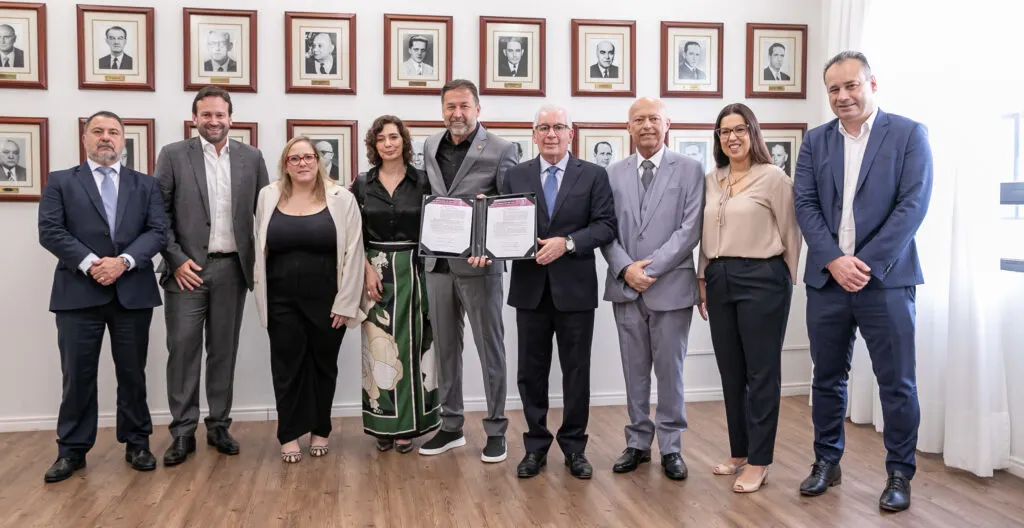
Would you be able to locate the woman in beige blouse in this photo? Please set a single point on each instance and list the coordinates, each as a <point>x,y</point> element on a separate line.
<point>748,260</point>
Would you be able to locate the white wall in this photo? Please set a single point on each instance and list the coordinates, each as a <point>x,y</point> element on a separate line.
<point>30,382</point>
<point>1012,337</point>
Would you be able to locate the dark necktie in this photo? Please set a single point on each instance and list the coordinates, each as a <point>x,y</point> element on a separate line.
<point>114,64</point>
<point>648,174</point>
<point>551,189</point>
<point>7,62</point>
<point>322,69</point>
<point>10,175</point>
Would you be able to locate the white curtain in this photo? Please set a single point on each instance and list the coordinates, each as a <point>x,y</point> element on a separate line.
<point>960,363</point>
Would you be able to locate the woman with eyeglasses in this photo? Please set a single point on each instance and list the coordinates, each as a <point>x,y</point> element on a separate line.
<point>748,263</point>
<point>308,284</point>
<point>400,396</point>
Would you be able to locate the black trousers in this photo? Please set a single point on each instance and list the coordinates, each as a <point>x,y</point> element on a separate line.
<point>574,332</point>
<point>748,308</point>
<point>80,338</point>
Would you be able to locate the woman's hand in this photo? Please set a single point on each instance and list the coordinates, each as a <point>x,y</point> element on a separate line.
<point>338,321</point>
<point>702,307</point>
<point>374,289</point>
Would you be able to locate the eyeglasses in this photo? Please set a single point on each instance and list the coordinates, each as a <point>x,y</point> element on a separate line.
<point>294,159</point>
<point>740,131</point>
<point>544,129</point>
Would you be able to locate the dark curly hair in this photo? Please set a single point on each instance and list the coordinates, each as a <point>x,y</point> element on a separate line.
<point>376,128</point>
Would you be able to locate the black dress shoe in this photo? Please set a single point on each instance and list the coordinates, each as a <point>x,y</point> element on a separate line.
<point>631,458</point>
<point>579,466</point>
<point>141,460</point>
<point>674,466</point>
<point>823,476</point>
<point>531,464</point>
<point>63,468</point>
<point>218,437</point>
<point>179,450</point>
<point>896,496</point>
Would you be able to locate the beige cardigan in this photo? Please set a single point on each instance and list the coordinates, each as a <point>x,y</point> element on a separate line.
<point>351,258</point>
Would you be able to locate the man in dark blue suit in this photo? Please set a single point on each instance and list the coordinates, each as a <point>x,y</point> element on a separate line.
<point>104,223</point>
<point>862,186</point>
<point>555,294</point>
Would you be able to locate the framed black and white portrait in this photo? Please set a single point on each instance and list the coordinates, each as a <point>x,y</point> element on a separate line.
<point>512,55</point>
<point>241,131</point>
<point>24,156</point>
<point>417,53</point>
<point>115,48</point>
<point>419,131</point>
<point>695,141</point>
<point>603,58</point>
<point>336,143</point>
<point>321,53</point>
<point>519,133</point>
<point>777,61</point>
<point>220,49</point>
<point>139,144</point>
<point>783,141</point>
<point>691,59</point>
<point>22,45</point>
<point>601,143</point>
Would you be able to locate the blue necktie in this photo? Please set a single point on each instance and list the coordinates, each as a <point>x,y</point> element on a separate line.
<point>109,195</point>
<point>551,189</point>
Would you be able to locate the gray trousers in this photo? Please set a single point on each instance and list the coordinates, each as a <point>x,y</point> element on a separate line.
<point>216,307</point>
<point>451,297</point>
<point>650,338</point>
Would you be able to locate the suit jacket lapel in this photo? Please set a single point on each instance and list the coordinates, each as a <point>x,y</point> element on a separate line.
<point>631,181</point>
<point>538,191</point>
<point>273,197</point>
<point>238,168</point>
<point>569,179</point>
<point>837,157</point>
<point>657,189</point>
<point>478,146</point>
<point>125,189</point>
<point>881,127</point>
<point>86,179</point>
<point>430,163</point>
<point>195,156</point>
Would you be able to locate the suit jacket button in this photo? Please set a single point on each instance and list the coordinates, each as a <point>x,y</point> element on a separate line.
<point>107,233</point>
<point>204,247</point>
<point>641,237</point>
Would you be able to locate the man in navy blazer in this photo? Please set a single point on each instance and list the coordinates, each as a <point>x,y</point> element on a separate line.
<point>862,186</point>
<point>104,223</point>
<point>555,294</point>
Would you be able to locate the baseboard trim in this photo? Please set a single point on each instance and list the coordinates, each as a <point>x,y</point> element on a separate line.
<point>1016,466</point>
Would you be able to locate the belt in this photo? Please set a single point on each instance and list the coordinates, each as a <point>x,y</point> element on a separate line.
<point>221,255</point>
<point>746,259</point>
<point>393,246</point>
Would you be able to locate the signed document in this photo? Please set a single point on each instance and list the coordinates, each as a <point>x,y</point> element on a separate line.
<point>447,226</point>
<point>511,227</point>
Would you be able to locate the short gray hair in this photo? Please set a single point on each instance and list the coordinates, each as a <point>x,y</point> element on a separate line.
<point>848,55</point>
<point>551,108</point>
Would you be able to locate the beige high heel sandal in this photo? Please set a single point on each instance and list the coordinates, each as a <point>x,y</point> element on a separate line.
<point>740,488</point>
<point>728,469</point>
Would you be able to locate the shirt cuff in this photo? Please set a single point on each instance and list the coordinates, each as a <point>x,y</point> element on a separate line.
<point>131,261</point>
<point>87,263</point>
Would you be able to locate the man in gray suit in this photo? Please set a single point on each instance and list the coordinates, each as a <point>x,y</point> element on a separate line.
<point>466,161</point>
<point>210,185</point>
<point>659,203</point>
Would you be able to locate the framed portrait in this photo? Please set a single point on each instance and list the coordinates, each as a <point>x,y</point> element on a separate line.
<point>22,45</point>
<point>419,131</point>
<point>115,48</point>
<point>777,61</point>
<point>321,53</point>
<point>601,143</point>
<point>691,59</point>
<point>139,148</point>
<point>24,158</point>
<point>512,54</point>
<point>695,141</point>
<point>783,141</point>
<point>603,58</point>
<point>220,49</point>
<point>335,141</point>
<point>519,134</point>
<point>417,54</point>
<point>243,132</point>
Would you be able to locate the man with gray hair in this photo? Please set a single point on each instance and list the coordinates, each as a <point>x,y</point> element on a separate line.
<point>11,169</point>
<point>555,294</point>
<point>604,68</point>
<point>10,56</point>
<point>219,46</point>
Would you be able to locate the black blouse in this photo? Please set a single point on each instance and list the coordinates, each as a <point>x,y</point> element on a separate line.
<point>388,218</point>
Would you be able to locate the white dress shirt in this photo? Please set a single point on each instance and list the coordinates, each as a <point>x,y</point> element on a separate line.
<point>655,159</point>
<point>558,174</point>
<point>7,59</point>
<point>97,176</point>
<point>853,154</point>
<point>218,185</point>
<point>326,65</point>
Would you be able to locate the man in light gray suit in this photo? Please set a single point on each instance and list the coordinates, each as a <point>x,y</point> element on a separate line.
<point>466,161</point>
<point>659,203</point>
<point>210,184</point>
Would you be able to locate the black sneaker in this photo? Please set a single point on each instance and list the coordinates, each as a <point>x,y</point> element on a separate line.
<point>495,450</point>
<point>443,441</point>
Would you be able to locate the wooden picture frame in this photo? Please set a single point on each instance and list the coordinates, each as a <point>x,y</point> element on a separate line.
<point>589,139</point>
<point>519,133</point>
<point>695,141</point>
<point>607,67</point>
<point>691,59</point>
<point>419,131</point>
<point>777,61</point>
<point>115,48</point>
<point>24,150</point>
<point>340,136</point>
<point>242,131</point>
<point>521,71</point>
<point>219,48</point>
<point>788,136</point>
<point>320,53</point>
<point>24,65</point>
<point>417,54</point>
<point>140,144</point>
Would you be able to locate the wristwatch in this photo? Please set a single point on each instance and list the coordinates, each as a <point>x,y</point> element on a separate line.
<point>127,263</point>
<point>570,245</point>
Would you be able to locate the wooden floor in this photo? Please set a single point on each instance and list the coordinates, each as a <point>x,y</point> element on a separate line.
<point>357,486</point>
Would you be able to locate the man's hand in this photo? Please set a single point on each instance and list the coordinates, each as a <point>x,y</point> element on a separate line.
<point>850,272</point>
<point>702,307</point>
<point>186,276</point>
<point>551,250</point>
<point>107,270</point>
<point>479,262</point>
<point>636,278</point>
